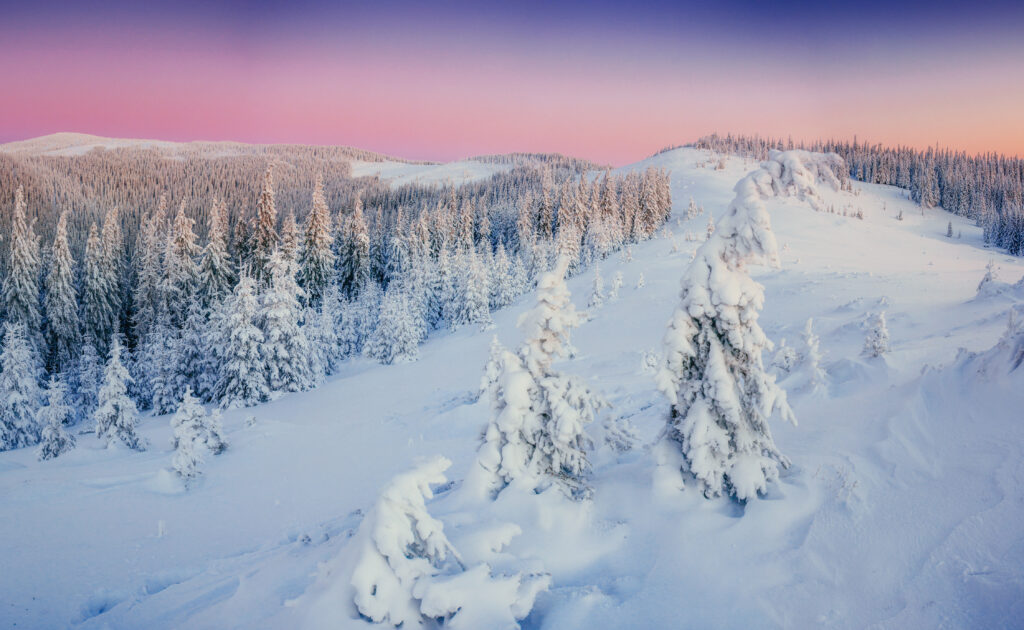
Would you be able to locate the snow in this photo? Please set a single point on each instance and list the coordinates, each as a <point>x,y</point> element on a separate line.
<point>402,173</point>
<point>902,507</point>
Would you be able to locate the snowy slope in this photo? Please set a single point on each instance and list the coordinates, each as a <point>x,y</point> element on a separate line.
<point>902,509</point>
<point>400,173</point>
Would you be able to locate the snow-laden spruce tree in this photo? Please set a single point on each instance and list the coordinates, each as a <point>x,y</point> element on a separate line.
<point>285,349</point>
<point>115,414</point>
<point>149,297</point>
<point>322,333</point>
<point>876,341</point>
<point>475,286</point>
<point>352,251</point>
<point>21,282</point>
<point>408,573</point>
<point>264,240</point>
<point>160,364</point>
<point>396,337</point>
<point>613,291</point>
<point>243,375</point>
<point>98,311</point>
<point>811,357</point>
<point>63,330</point>
<point>216,276</point>
<point>597,289</point>
<point>20,396</point>
<point>89,375</point>
<point>52,416</point>
<point>188,426</point>
<point>641,282</point>
<point>712,368</point>
<point>316,262</point>
<point>536,433</point>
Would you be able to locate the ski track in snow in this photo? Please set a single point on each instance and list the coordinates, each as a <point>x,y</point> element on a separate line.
<point>902,508</point>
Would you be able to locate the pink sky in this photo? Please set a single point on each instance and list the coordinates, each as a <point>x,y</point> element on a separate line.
<point>445,97</point>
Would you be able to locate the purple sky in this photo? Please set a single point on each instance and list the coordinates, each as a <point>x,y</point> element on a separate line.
<point>445,80</point>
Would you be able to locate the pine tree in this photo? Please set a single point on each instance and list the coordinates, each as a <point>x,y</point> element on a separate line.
<point>243,376</point>
<point>546,209</point>
<point>149,297</point>
<point>161,364</point>
<point>597,290</point>
<point>21,284</point>
<point>62,324</point>
<point>181,275</point>
<point>113,267</point>
<point>816,377</point>
<point>216,276</point>
<point>52,417</point>
<point>290,237</point>
<point>195,369</point>
<point>316,266</point>
<point>712,370</point>
<point>98,314</point>
<point>188,430</point>
<point>322,333</point>
<point>115,414</point>
<point>613,292</point>
<point>536,434</point>
<point>285,349</point>
<point>475,292</point>
<point>89,373</point>
<point>396,337</point>
<point>264,237</point>
<point>353,257</point>
<point>19,389</point>
<point>359,319</point>
<point>876,343</point>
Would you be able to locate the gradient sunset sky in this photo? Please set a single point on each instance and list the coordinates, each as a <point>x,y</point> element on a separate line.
<point>443,80</point>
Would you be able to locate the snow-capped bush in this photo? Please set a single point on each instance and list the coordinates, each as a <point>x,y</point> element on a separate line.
<point>712,371</point>
<point>811,358</point>
<point>597,290</point>
<point>408,572</point>
<point>613,292</point>
<point>785,358</point>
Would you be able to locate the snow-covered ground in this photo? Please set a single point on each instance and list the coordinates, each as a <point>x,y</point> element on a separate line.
<point>902,509</point>
<point>402,173</point>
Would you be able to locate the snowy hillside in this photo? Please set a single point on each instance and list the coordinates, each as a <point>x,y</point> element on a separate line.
<point>902,506</point>
<point>400,173</point>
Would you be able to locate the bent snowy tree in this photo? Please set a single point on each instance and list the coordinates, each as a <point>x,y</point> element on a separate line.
<point>712,372</point>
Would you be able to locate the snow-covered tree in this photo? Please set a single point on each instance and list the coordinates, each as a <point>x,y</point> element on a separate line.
<point>712,369</point>
<point>52,416</point>
<point>536,433</point>
<point>116,414</point>
<point>285,349</point>
<point>785,358</point>
<point>243,375</point>
<point>195,367</point>
<point>89,375</point>
<point>98,310</point>
<point>214,439</point>
<point>216,276</point>
<point>711,228</point>
<point>264,239</point>
<point>21,283</point>
<point>20,396</point>
<point>359,319</point>
<point>597,290</point>
<point>188,432</point>
<point>641,282</point>
<point>409,574</point>
<point>62,324</point>
<point>316,265</point>
<point>160,364</point>
<point>811,357</point>
<point>475,287</point>
<point>876,342</point>
<point>613,292</point>
<point>396,337</point>
<point>322,333</point>
<point>352,245</point>
<point>149,297</point>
